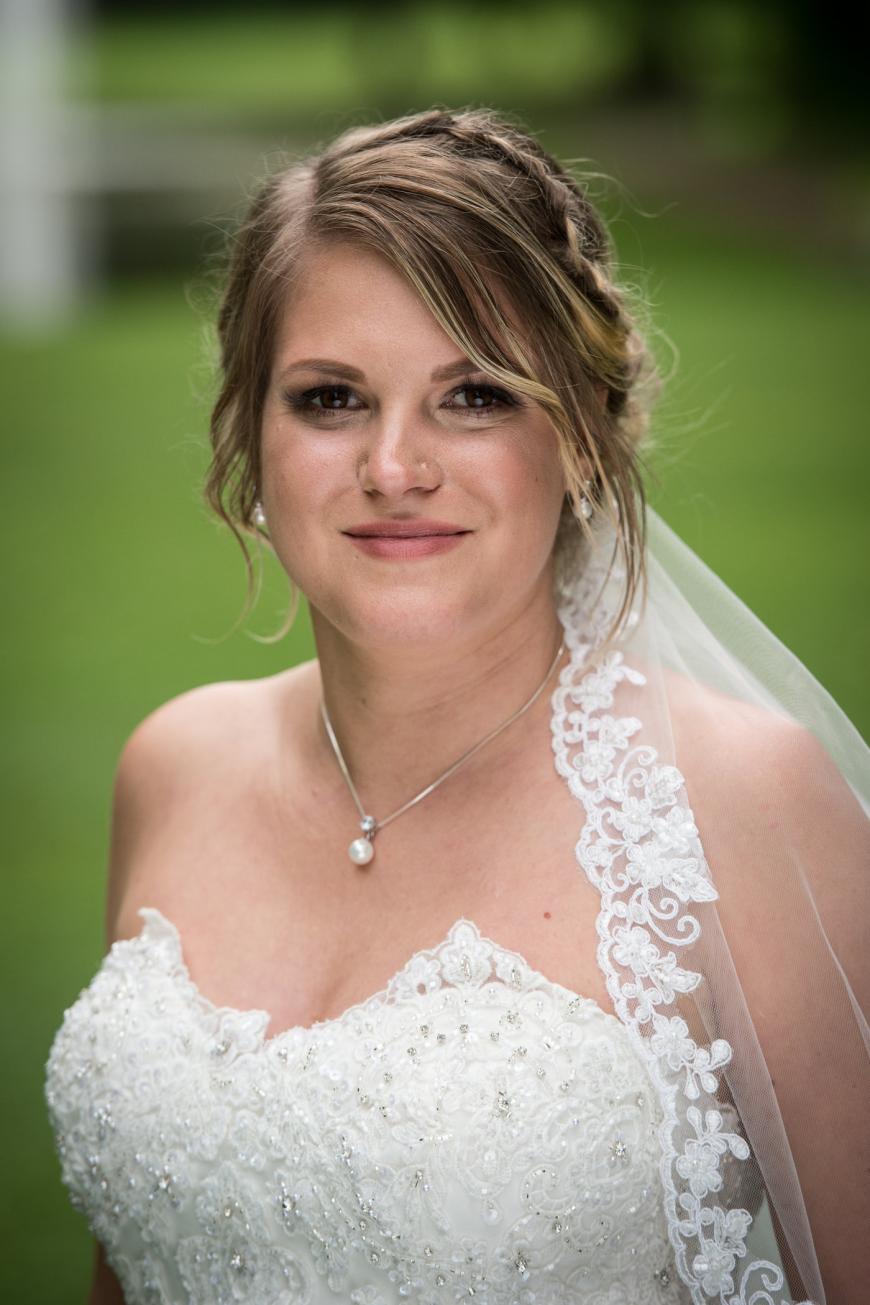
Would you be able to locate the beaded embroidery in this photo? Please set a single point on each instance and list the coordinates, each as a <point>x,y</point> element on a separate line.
<point>328,1161</point>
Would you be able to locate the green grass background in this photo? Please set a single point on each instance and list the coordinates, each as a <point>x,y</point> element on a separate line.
<point>117,576</point>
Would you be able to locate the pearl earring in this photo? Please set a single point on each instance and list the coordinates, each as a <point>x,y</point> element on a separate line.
<point>259,515</point>
<point>585,505</point>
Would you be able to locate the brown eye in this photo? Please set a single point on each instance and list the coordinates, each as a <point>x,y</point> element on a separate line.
<point>481,399</point>
<point>333,398</point>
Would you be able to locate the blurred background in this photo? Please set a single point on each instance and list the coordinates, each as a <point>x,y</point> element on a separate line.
<point>131,134</point>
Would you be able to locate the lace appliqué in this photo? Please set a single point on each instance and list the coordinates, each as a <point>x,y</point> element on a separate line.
<point>472,1130</point>
<point>640,848</point>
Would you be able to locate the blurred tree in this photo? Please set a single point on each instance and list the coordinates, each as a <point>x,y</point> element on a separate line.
<point>675,50</point>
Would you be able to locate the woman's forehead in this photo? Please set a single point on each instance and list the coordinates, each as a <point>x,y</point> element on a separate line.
<point>350,305</point>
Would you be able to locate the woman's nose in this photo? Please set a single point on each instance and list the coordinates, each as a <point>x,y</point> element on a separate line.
<point>394,463</point>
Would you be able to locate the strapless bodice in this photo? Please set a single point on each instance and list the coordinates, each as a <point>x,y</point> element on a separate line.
<point>473,1130</point>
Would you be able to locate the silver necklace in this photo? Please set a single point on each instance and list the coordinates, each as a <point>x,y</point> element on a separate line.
<point>361,850</point>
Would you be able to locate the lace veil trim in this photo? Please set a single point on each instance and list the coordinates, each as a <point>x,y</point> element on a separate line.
<point>640,849</point>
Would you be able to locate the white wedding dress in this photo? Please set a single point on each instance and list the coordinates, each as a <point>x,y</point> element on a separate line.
<point>474,1130</point>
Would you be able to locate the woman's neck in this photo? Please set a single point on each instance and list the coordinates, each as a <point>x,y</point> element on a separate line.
<point>402,716</point>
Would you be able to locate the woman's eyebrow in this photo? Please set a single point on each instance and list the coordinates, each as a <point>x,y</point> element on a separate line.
<point>443,373</point>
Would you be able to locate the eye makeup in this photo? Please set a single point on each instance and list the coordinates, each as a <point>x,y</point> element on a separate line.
<point>304,402</point>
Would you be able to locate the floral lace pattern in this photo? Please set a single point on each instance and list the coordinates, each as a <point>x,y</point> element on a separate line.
<point>473,1130</point>
<point>640,848</point>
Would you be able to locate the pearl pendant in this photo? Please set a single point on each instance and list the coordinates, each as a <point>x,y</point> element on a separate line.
<point>361,851</point>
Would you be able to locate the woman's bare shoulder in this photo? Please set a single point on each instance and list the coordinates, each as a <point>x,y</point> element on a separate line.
<point>731,749</point>
<point>204,741</point>
<point>697,708</point>
<point>210,713</point>
<point>700,711</point>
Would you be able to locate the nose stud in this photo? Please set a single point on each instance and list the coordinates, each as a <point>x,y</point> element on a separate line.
<point>422,465</point>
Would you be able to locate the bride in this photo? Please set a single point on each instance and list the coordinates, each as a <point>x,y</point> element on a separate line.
<point>511,948</point>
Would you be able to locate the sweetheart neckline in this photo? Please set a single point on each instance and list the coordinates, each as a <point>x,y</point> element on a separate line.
<point>152,914</point>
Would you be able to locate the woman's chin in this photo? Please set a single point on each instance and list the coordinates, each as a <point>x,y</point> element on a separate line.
<point>407,622</point>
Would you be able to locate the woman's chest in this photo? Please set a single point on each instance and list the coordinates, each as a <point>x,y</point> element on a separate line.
<point>294,927</point>
<point>474,1107</point>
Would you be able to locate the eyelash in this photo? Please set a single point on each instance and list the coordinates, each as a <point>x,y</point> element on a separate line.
<point>301,401</point>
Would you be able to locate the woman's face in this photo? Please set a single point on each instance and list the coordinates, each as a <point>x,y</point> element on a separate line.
<point>374,418</point>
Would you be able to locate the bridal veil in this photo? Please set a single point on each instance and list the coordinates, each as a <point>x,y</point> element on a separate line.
<point>727,798</point>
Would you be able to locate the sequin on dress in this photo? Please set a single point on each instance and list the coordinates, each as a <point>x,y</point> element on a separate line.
<point>472,1131</point>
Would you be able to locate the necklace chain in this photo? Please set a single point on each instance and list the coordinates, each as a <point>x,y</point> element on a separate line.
<point>361,850</point>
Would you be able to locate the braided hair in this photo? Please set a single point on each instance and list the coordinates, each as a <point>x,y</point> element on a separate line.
<point>477,215</point>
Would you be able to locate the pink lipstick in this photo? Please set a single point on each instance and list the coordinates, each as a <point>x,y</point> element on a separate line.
<point>405,539</point>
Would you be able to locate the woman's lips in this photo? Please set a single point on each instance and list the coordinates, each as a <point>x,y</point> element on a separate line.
<point>400,548</point>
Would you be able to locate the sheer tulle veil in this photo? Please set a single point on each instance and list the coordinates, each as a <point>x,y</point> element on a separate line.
<point>727,800</point>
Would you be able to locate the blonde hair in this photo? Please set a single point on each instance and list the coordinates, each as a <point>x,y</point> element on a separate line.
<point>472,211</point>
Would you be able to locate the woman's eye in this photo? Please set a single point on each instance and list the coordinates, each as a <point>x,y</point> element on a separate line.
<point>323,401</point>
<point>333,398</point>
<point>481,399</point>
